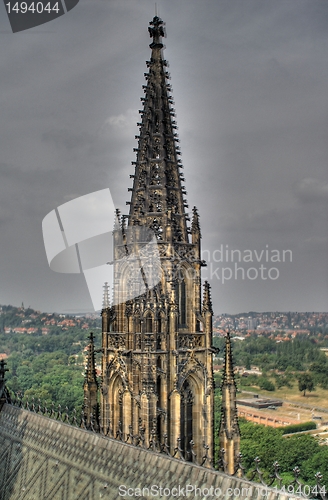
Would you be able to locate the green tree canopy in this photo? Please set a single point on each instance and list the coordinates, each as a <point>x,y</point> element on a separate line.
<point>305,383</point>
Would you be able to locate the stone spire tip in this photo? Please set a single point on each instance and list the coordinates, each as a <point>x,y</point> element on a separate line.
<point>156,31</point>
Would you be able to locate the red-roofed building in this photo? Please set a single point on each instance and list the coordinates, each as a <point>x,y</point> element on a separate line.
<point>19,330</point>
<point>32,330</point>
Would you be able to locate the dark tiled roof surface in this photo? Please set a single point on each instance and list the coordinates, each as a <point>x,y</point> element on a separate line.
<point>43,459</point>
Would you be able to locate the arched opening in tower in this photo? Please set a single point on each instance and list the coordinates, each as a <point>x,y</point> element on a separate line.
<point>182,302</point>
<point>149,324</point>
<point>117,407</point>
<point>186,431</point>
<point>159,407</point>
<point>137,324</point>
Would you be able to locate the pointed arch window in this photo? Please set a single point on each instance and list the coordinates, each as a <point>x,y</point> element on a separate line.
<point>117,406</point>
<point>137,324</point>
<point>186,420</point>
<point>182,301</point>
<point>149,324</point>
<point>137,380</point>
<point>159,405</point>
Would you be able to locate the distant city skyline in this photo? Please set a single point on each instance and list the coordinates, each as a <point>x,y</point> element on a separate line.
<point>249,82</point>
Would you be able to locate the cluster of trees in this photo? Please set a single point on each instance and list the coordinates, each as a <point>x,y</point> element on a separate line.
<point>305,381</point>
<point>296,354</point>
<point>319,370</point>
<point>269,445</point>
<point>69,341</point>
<point>303,426</point>
<point>50,377</point>
<point>301,360</point>
<point>48,367</point>
<point>283,380</point>
<point>10,318</point>
<point>259,380</point>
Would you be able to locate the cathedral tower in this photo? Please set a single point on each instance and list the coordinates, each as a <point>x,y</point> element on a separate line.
<point>157,373</point>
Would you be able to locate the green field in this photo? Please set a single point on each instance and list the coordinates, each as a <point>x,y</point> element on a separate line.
<point>317,398</point>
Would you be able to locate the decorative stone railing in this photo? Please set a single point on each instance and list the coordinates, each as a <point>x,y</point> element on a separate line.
<point>190,340</point>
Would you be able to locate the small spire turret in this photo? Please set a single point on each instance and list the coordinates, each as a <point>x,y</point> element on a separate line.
<point>195,228</point>
<point>90,373</point>
<point>195,231</point>
<point>106,302</point>
<point>229,433</point>
<point>91,410</point>
<point>228,373</point>
<point>207,301</point>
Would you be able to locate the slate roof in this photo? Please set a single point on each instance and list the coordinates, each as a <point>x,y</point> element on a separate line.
<point>43,459</point>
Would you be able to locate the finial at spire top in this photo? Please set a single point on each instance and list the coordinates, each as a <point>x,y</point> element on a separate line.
<point>156,31</point>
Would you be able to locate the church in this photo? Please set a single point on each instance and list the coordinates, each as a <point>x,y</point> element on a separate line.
<point>150,422</point>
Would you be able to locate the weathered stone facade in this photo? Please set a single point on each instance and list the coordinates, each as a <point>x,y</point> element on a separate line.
<point>157,375</point>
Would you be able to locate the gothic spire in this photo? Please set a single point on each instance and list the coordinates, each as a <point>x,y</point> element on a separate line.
<point>90,373</point>
<point>90,388</point>
<point>195,228</point>
<point>157,185</point>
<point>207,301</point>
<point>228,374</point>
<point>229,433</point>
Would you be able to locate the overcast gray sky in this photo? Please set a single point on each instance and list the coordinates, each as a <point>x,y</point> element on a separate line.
<point>250,83</point>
